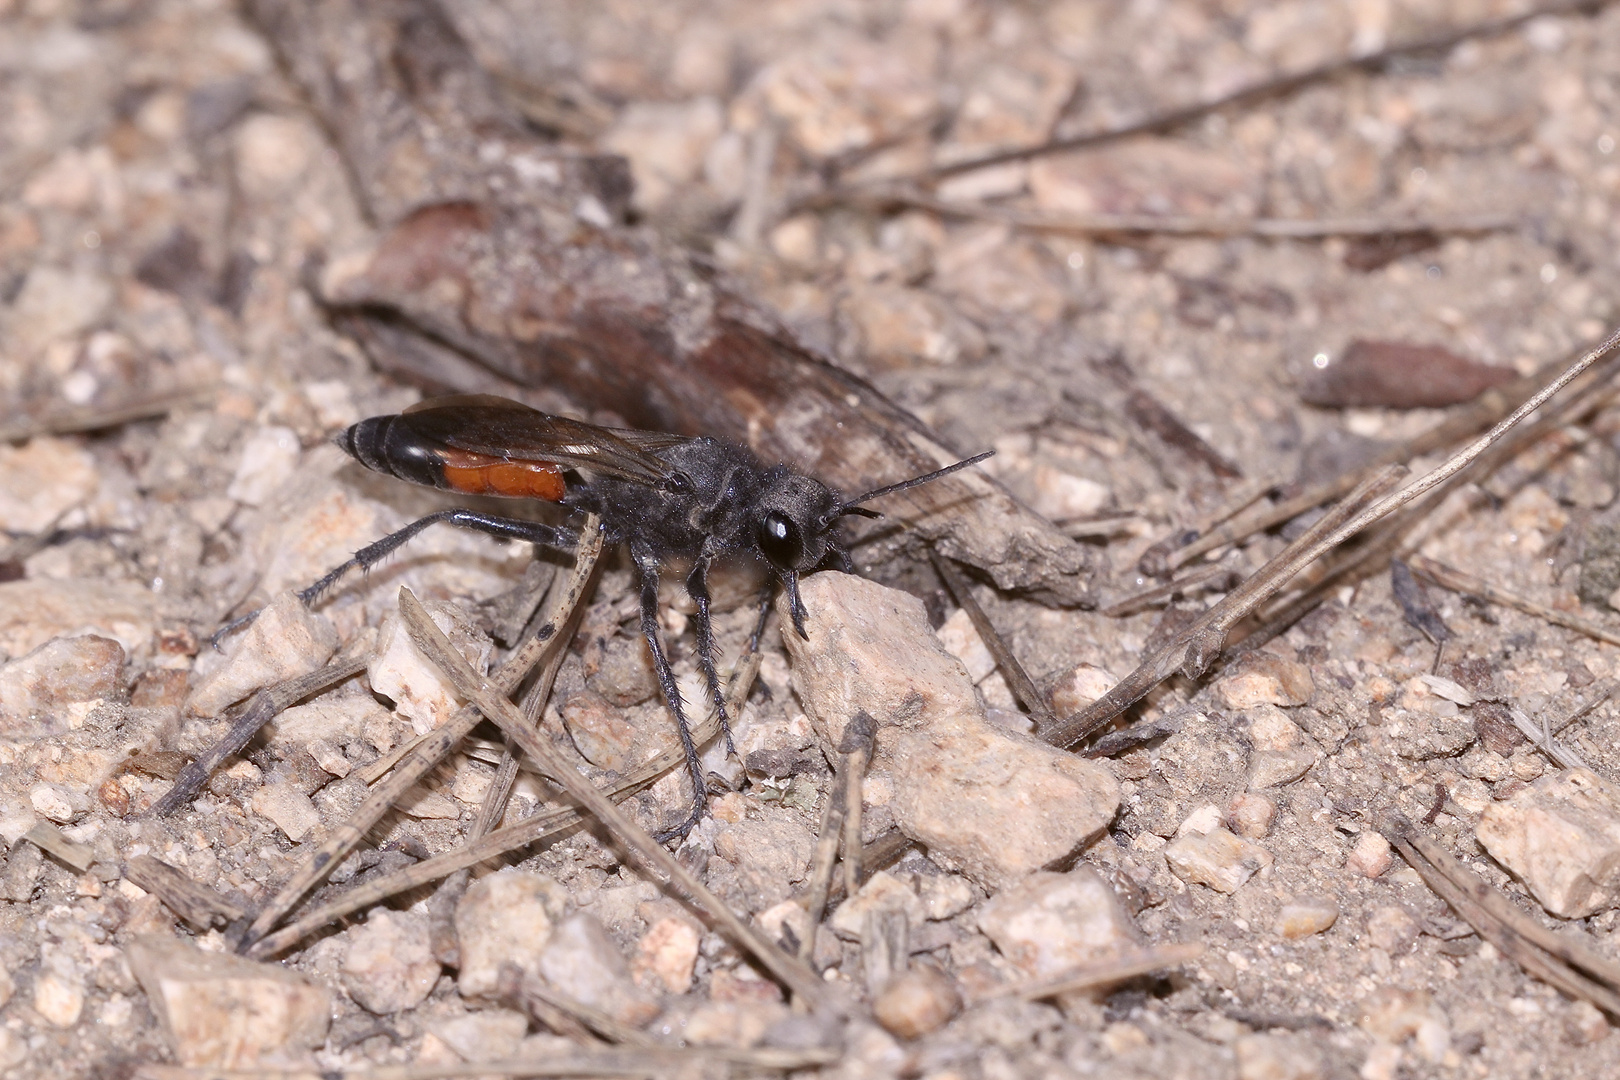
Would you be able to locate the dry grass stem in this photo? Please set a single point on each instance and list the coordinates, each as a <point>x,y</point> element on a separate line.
<point>548,641</point>
<point>1083,978</point>
<point>1448,577</point>
<point>799,978</point>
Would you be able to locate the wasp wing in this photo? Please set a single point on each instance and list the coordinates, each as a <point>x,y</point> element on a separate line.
<point>511,431</point>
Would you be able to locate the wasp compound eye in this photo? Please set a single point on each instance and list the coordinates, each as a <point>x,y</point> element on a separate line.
<point>781,541</point>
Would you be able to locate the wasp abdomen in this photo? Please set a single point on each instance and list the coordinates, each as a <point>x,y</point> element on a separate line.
<point>385,445</point>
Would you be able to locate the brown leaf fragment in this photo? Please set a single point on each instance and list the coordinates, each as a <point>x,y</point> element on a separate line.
<point>1397,375</point>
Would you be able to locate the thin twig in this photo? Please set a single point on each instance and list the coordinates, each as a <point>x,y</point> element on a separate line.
<point>1275,86</point>
<point>1563,960</point>
<point>431,640</point>
<point>1212,575</point>
<point>1091,975</point>
<point>97,417</point>
<point>1195,649</point>
<point>197,904</point>
<point>824,860</point>
<point>1018,680</point>
<point>547,642</point>
<point>580,1061</point>
<point>1170,224</point>
<point>265,706</point>
<point>855,748</point>
<point>1155,560</point>
<point>525,833</point>
<point>1448,577</point>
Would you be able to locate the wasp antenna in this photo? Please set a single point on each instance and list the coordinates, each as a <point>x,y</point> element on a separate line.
<point>853,506</point>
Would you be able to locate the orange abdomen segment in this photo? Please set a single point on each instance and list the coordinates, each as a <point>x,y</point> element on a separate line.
<point>475,474</point>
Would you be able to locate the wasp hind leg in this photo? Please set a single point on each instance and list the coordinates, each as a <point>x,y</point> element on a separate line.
<point>648,571</point>
<point>697,587</point>
<point>510,528</point>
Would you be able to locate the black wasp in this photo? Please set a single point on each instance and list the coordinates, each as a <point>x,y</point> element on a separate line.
<point>672,499</point>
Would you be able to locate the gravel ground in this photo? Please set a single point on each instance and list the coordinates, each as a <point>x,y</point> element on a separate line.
<point>163,190</point>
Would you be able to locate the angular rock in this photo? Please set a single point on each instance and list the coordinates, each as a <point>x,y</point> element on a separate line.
<point>33,612</point>
<point>221,1011</point>
<point>399,671</point>
<point>1218,859</point>
<point>286,640</point>
<point>992,804</point>
<point>732,1023</point>
<point>581,961</point>
<point>59,996</point>
<point>1251,815</point>
<point>269,459</point>
<point>1274,768</point>
<point>389,966</point>
<point>42,479</point>
<point>52,689</point>
<point>487,1035</point>
<point>769,854</point>
<point>944,895</point>
<point>619,668</point>
<point>1424,736</point>
<point>1370,857</point>
<point>916,1002</point>
<point>610,737</point>
<point>668,952</point>
<point>333,717</point>
<point>293,812</point>
<point>1265,679</point>
<point>1049,923</point>
<point>881,892</point>
<point>506,917</point>
<point>1561,837</point>
<point>1307,915</point>
<point>1392,928</point>
<point>1079,687</point>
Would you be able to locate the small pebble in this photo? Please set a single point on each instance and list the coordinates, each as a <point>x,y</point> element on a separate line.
<point>1586,1023</point>
<point>292,811</point>
<point>1218,859</point>
<point>506,917</point>
<point>389,966</point>
<point>1049,923</point>
<point>1265,679</point>
<point>581,961</point>
<point>668,952</point>
<point>1250,815</point>
<point>881,892</point>
<point>1277,1057</point>
<point>1307,915</point>
<point>59,997</point>
<point>52,689</point>
<point>1392,928</point>
<point>1371,855</point>
<point>399,671</point>
<point>1079,687</point>
<point>486,1035</point>
<point>916,1002</point>
<point>58,802</point>
<point>944,895</point>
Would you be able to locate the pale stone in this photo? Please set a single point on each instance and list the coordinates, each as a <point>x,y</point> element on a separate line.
<point>59,997</point>
<point>668,951</point>
<point>486,1035</point>
<point>54,304</point>
<point>961,639</point>
<point>732,1023</point>
<point>399,671</point>
<point>269,459</point>
<point>1063,496</point>
<point>581,961</point>
<point>1307,915</point>
<point>1218,859</point>
<point>985,801</point>
<point>1561,837</point>
<point>916,1002</point>
<point>33,612</point>
<point>1271,729</point>
<point>1277,1057</point>
<point>292,811</point>
<point>769,854</point>
<point>330,718</point>
<point>1274,768</point>
<point>41,480</point>
<point>1206,818</point>
<point>1392,928</point>
<point>38,690</point>
<point>1371,855</point>
<point>944,896</point>
<point>58,802</point>
<point>389,966</point>
<point>1079,687</point>
<point>284,641</point>
<point>1050,923</point>
<point>881,892</point>
<point>665,143</point>
<point>505,918</point>
<point>221,1011</point>
<point>1265,679</point>
<point>1251,815</point>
